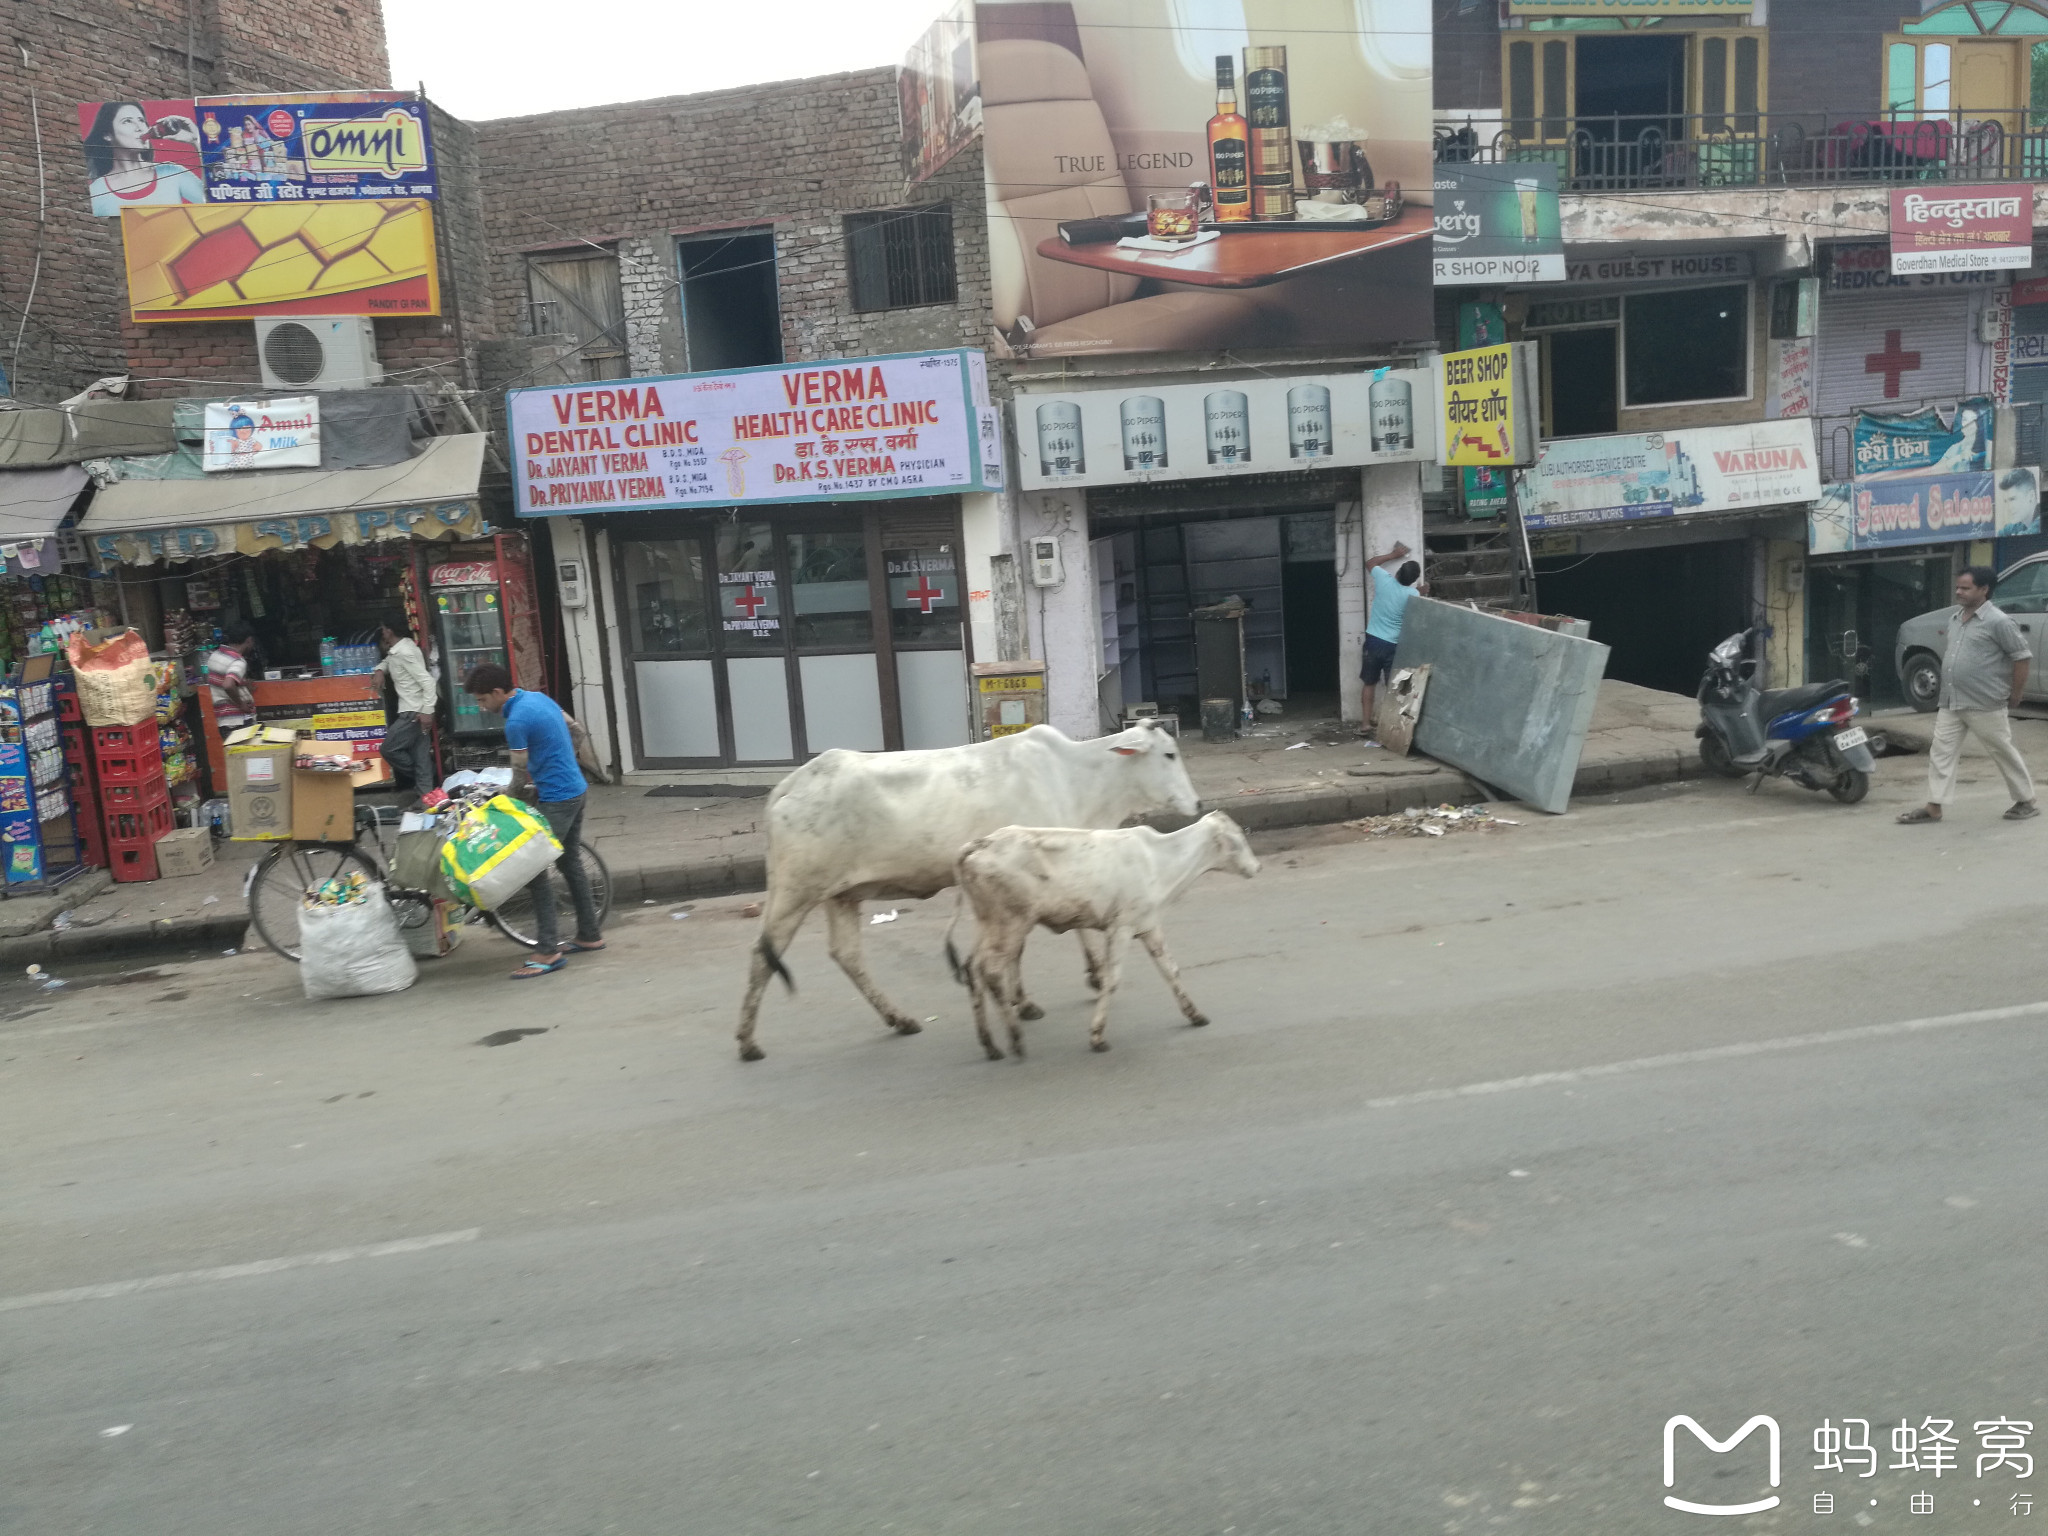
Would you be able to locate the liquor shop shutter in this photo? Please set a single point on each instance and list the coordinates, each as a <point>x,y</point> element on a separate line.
<point>1856,346</point>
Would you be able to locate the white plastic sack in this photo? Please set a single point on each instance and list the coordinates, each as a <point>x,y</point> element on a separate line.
<point>353,951</point>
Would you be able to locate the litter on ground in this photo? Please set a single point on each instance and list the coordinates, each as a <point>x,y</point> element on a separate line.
<point>884,917</point>
<point>1432,821</point>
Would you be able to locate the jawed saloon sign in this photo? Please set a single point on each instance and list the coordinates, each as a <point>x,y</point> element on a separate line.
<point>861,429</point>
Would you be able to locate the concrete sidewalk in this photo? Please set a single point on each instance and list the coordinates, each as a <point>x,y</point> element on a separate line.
<point>666,847</point>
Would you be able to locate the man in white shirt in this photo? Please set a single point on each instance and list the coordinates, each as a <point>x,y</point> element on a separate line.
<point>408,742</point>
<point>227,674</point>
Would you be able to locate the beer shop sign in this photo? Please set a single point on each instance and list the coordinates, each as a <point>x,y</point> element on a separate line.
<point>860,429</point>
<point>1143,432</point>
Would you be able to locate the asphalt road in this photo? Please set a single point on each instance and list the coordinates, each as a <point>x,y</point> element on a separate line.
<point>1503,1149</point>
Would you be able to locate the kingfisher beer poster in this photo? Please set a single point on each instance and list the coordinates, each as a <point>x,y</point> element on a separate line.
<point>864,428</point>
<point>1297,114</point>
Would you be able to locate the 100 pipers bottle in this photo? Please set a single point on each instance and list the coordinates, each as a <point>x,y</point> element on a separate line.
<point>1229,150</point>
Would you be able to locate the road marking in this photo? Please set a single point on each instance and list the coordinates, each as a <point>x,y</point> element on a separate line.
<point>1710,1053</point>
<point>238,1271</point>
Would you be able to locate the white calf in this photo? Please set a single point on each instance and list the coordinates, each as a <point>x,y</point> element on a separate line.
<point>1117,883</point>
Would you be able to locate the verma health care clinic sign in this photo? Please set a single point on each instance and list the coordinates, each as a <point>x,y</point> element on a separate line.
<point>914,424</point>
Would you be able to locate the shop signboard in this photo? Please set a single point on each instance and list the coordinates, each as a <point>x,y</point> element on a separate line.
<point>282,433</point>
<point>938,94</point>
<point>190,541</point>
<point>1497,224</point>
<point>315,147</point>
<point>1295,114</point>
<point>1577,482</point>
<point>2029,290</point>
<point>1923,443</point>
<point>1630,7</point>
<point>1925,509</point>
<point>372,258</point>
<point>1962,229</point>
<point>1147,432</point>
<point>1866,267</point>
<point>860,429</point>
<point>1685,267</point>
<point>140,154</point>
<point>1483,406</point>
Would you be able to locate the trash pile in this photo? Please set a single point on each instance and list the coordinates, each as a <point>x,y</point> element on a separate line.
<point>344,890</point>
<point>1430,821</point>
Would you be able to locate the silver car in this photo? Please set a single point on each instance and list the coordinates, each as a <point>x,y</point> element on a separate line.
<point>2022,591</point>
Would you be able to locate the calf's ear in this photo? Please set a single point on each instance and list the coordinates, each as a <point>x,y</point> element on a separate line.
<point>1126,751</point>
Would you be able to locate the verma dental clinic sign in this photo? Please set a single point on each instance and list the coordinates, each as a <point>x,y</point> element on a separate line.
<point>856,429</point>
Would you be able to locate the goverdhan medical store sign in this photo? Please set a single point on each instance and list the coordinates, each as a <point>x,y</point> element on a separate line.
<point>855,429</point>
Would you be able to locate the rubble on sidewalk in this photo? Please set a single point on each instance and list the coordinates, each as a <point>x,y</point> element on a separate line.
<point>1433,821</point>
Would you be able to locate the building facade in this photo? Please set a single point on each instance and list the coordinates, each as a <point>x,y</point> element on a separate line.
<point>1727,185</point>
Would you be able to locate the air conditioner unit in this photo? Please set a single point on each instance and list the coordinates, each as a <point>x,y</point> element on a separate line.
<point>318,352</point>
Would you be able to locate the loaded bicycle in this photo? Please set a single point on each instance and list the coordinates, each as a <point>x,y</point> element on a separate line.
<point>277,883</point>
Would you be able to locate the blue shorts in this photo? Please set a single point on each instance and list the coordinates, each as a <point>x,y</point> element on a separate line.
<point>1379,660</point>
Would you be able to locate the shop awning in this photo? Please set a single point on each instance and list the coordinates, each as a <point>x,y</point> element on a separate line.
<point>92,429</point>
<point>33,503</point>
<point>431,496</point>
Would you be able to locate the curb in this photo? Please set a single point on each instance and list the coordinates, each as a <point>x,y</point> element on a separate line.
<point>737,874</point>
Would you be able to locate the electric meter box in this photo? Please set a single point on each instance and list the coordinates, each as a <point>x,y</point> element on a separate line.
<point>1009,696</point>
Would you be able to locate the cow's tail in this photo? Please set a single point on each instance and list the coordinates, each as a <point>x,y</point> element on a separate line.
<point>767,952</point>
<point>953,960</point>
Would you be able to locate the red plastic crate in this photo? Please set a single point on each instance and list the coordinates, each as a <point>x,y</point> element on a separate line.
<point>139,824</point>
<point>124,738</point>
<point>92,842</point>
<point>68,710</point>
<point>132,861</point>
<point>138,767</point>
<point>120,795</point>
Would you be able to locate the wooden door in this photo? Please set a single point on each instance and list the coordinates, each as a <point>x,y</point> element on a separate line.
<point>1988,89</point>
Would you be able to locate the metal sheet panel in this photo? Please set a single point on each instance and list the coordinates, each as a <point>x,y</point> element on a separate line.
<point>1508,703</point>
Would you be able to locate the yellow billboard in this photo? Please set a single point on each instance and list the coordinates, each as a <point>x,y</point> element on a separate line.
<point>1480,403</point>
<point>224,262</point>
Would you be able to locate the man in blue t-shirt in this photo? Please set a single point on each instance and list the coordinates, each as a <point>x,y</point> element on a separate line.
<point>1389,601</point>
<point>538,734</point>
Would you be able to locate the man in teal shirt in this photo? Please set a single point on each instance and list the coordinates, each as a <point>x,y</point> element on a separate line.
<point>1388,598</point>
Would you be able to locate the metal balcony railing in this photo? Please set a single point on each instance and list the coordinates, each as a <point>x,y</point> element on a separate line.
<point>1706,150</point>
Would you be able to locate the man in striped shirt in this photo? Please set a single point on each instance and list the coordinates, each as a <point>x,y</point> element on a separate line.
<point>227,674</point>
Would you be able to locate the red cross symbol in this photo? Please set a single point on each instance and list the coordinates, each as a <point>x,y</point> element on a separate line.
<point>1893,362</point>
<point>751,604</point>
<point>924,593</point>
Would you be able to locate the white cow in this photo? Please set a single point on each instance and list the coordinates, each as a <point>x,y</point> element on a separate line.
<point>851,825</point>
<point>1115,883</point>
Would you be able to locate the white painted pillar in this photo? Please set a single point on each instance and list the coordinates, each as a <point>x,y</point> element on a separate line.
<point>586,642</point>
<point>1391,513</point>
<point>1062,618</point>
<point>981,529</point>
<point>1350,604</point>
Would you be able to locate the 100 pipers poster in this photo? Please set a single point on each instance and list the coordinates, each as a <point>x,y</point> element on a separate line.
<point>1162,177</point>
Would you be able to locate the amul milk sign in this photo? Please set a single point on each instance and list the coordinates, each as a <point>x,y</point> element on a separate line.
<point>916,424</point>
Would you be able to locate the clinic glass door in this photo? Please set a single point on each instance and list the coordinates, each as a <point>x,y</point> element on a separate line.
<point>751,644</point>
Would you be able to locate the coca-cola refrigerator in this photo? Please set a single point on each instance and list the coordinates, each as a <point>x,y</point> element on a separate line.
<point>481,596</point>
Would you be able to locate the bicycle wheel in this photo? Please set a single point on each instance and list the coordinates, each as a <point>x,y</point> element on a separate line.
<point>279,881</point>
<point>514,917</point>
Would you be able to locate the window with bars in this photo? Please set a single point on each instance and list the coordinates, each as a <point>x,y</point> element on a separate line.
<point>899,258</point>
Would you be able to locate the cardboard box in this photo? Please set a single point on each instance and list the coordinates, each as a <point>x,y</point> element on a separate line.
<point>324,803</point>
<point>186,851</point>
<point>260,791</point>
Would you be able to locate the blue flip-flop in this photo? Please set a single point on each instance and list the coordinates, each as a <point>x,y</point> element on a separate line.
<point>534,968</point>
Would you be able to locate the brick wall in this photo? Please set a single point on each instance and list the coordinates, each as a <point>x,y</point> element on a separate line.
<point>795,156</point>
<point>95,50</point>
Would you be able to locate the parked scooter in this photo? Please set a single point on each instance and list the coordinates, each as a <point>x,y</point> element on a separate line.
<point>1793,733</point>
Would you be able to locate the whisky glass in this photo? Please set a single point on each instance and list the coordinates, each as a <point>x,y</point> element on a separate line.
<point>1172,216</point>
